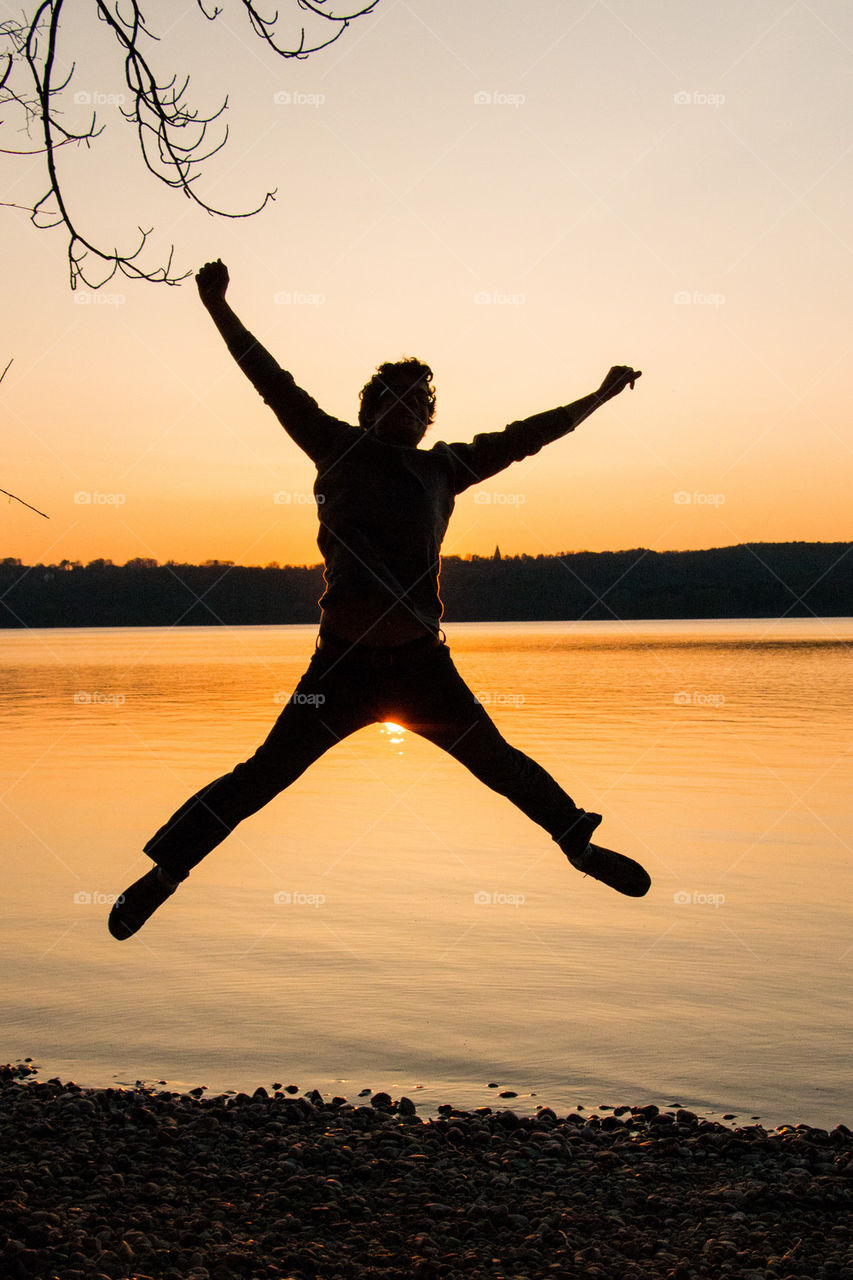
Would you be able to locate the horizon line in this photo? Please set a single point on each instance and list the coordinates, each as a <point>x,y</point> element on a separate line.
<point>151,561</point>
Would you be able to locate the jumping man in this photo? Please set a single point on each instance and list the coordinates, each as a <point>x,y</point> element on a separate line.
<point>384,505</point>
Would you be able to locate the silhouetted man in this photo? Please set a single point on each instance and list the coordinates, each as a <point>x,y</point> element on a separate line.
<point>384,506</point>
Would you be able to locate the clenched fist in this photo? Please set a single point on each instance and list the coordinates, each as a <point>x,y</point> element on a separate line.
<point>212,281</point>
<point>619,377</point>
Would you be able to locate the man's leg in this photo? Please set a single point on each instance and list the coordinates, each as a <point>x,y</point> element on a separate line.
<point>324,708</point>
<point>435,702</point>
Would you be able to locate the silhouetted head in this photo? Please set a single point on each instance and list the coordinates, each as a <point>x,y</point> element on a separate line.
<point>398,403</point>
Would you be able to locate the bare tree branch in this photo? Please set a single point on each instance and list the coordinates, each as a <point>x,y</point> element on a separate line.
<point>12,496</point>
<point>265,27</point>
<point>175,139</point>
<point>6,492</point>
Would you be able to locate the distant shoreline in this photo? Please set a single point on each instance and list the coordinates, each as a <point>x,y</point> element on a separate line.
<point>750,580</point>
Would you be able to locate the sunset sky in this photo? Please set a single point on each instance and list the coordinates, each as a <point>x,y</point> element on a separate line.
<point>520,194</point>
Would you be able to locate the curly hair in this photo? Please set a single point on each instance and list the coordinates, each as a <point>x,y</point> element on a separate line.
<point>394,378</point>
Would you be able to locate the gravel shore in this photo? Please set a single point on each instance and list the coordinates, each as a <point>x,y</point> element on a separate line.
<point>135,1183</point>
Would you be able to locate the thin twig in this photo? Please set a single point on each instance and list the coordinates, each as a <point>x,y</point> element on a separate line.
<point>6,491</point>
<point>10,496</point>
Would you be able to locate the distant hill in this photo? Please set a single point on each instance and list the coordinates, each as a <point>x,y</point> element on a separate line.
<point>752,580</point>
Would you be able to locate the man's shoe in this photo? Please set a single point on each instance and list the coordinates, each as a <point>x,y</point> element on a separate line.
<point>614,869</point>
<point>579,834</point>
<point>138,903</point>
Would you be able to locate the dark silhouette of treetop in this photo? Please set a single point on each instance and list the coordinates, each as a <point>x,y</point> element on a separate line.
<point>175,138</point>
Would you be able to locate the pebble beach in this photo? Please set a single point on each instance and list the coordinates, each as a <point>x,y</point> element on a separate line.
<point>128,1184</point>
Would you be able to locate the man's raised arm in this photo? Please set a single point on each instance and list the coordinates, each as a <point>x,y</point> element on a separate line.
<point>491,451</point>
<point>300,415</point>
<point>619,377</point>
<point>256,362</point>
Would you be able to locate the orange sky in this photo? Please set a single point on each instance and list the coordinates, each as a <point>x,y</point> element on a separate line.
<point>520,197</point>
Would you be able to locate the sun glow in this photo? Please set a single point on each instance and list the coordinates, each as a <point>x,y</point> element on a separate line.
<point>395,733</point>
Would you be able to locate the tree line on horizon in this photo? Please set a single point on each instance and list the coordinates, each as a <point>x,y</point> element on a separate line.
<point>797,579</point>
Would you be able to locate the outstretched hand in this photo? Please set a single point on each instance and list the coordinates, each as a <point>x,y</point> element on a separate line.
<point>212,281</point>
<point>619,377</point>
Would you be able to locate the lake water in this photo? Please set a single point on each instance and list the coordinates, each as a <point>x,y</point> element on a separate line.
<point>389,923</point>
